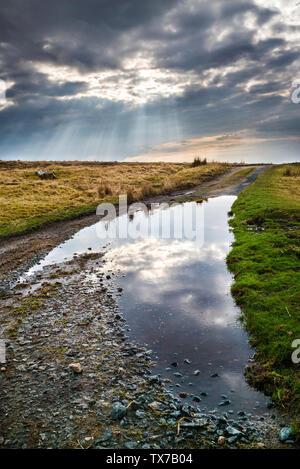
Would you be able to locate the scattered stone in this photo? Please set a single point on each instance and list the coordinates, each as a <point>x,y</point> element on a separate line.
<point>76,367</point>
<point>42,174</point>
<point>232,440</point>
<point>118,411</point>
<point>224,403</point>
<point>196,372</point>
<point>233,431</point>
<point>155,405</point>
<point>214,375</point>
<point>221,440</point>
<point>186,360</point>
<point>196,398</point>
<point>183,395</point>
<point>106,436</point>
<point>285,433</point>
<point>131,445</point>
<point>154,379</point>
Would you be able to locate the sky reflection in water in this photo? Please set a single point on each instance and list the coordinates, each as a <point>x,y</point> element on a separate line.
<point>177,300</point>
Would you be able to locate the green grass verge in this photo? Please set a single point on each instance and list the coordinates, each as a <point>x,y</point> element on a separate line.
<point>265,260</point>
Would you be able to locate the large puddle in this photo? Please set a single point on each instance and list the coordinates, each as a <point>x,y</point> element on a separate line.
<point>176,297</point>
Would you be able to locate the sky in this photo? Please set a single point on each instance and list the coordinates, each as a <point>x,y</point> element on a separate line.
<point>150,80</point>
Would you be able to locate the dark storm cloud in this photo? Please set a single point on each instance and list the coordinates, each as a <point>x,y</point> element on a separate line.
<point>37,84</point>
<point>87,34</point>
<point>188,40</point>
<point>270,87</point>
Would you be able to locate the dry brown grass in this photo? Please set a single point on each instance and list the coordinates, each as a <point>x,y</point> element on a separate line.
<point>147,190</point>
<point>292,171</point>
<point>104,189</point>
<point>27,201</point>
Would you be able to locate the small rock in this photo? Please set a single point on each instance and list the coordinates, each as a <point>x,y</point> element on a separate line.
<point>224,403</point>
<point>233,431</point>
<point>76,367</point>
<point>130,445</point>
<point>197,399</point>
<point>154,405</point>
<point>186,360</point>
<point>45,174</point>
<point>285,433</point>
<point>183,395</point>
<point>154,379</point>
<point>232,440</point>
<point>196,372</point>
<point>221,440</point>
<point>118,411</point>
<point>106,436</point>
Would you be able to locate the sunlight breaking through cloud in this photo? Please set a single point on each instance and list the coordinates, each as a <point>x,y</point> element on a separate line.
<point>109,82</point>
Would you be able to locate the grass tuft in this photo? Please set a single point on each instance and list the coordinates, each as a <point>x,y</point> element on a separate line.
<point>104,189</point>
<point>198,162</point>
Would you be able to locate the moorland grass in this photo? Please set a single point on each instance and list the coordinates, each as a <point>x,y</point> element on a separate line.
<point>26,201</point>
<point>265,260</point>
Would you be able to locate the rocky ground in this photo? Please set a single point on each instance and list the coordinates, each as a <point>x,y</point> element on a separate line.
<point>73,380</point>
